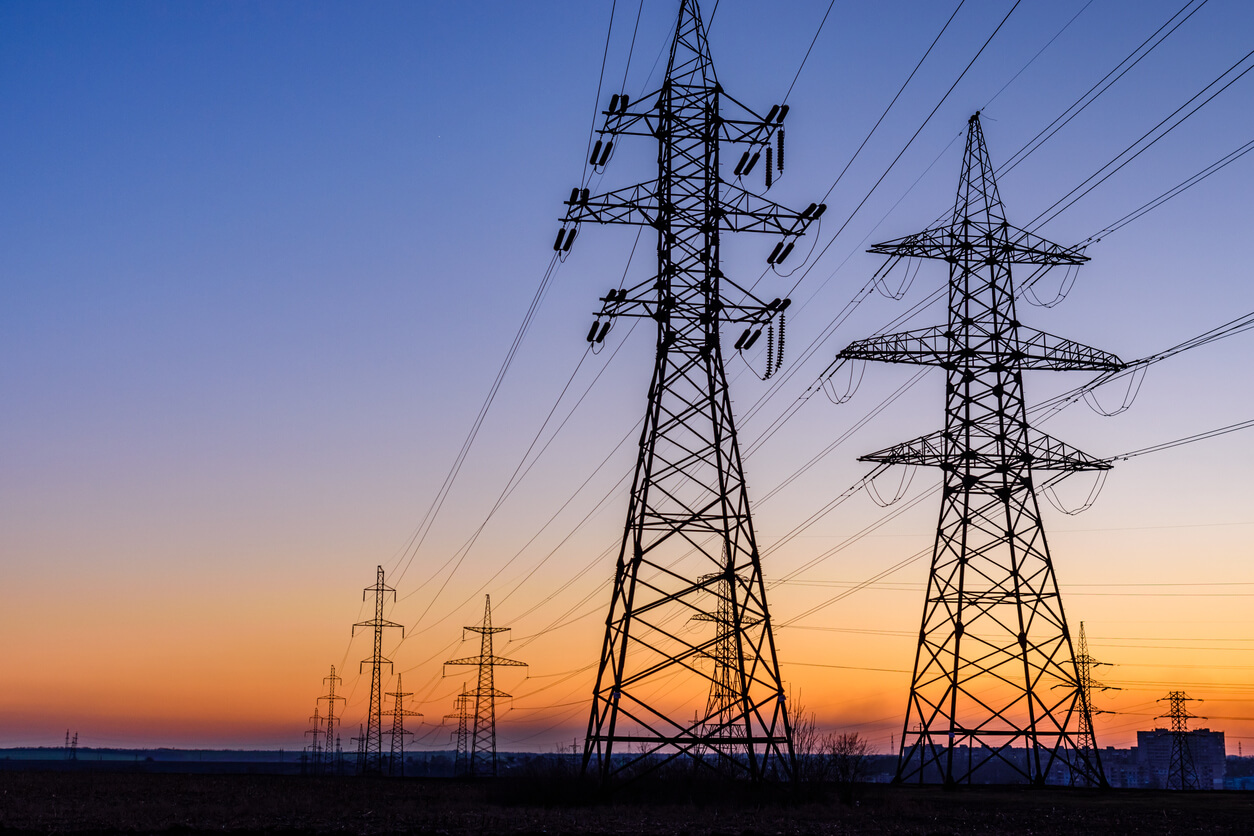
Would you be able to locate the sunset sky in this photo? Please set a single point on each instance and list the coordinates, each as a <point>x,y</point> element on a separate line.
<point>262,263</point>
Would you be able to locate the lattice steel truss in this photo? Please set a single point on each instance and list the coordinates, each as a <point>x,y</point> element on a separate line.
<point>461,713</point>
<point>396,763</point>
<point>1181,772</point>
<point>1086,740</point>
<point>328,746</point>
<point>994,641</point>
<point>480,738</point>
<point>689,552</point>
<point>315,745</point>
<point>371,753</point>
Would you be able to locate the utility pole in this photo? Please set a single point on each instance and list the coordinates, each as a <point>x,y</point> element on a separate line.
<point>372,746</point>
<point>1181,773</point>
<point>315,732</point>
<point>689,546</point>
<point>396,764</point>
<point>328,746</point>
<point>1086,740</point>
<point>481,754</point>
<point>993,639</point>
<point>461,712</point>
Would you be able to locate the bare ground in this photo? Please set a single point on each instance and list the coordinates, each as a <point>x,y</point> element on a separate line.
<point>95,802</point>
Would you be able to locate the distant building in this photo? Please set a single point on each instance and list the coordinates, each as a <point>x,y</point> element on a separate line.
<point>1207,747</point>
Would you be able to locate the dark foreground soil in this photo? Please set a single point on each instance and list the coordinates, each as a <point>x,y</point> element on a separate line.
<point>86,802</point>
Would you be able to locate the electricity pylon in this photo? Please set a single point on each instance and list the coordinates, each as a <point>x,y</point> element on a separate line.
<point>328,746</point>
<point>315,746</point>
<point>994,637</point>
<point>481,754</point>
<point>372,745</point>
<point>1181,773</point>
<point>689,547</point>
<point>360,740</point>
<point>461,712</point>
<point>396,765</point>
<point>1086,740</point>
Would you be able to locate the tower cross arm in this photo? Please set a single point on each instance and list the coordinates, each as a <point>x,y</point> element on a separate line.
<point>496,661</point>
<point>378,622</point>
<point>633,205</point>
<point>1044,453</point>
<point>1018,348</point>
<point>999,241</point>
<point>631,117</point>
<point>744,211</point>
<point>749,126</point>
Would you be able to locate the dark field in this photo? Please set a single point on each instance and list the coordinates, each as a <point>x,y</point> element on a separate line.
<point>96,802</point>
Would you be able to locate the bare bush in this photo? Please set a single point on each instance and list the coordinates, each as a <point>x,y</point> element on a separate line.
<point>848,755</point>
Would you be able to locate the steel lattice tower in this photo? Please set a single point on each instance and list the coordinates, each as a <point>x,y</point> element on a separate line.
<point>396,765</point>
<point>328,745</point>
<point>688,548</point>
<point>360,740</point>
<point>1086,740</point>
<point>481,739</point>
<point>1181,773</point>
<point>461,712</point>
<point>315,746</point>
<point>994,640</point>
<point>372,745</point>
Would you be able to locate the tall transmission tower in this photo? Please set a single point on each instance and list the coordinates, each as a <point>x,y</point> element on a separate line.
<point>1086,740</point>
<point>461,713</point>
<point>481,738</point>
<point>688,546</point>
<point>396,764</point>
<point>1181,773</point>
<point>328,746</point>
<point>372,745</point>
<point>994,638</point>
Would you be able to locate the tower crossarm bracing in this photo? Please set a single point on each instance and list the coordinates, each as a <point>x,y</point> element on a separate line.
<point>995,684</point>
<point>1042,452</point>
<point>688,632</point>
<point>1004,345</point>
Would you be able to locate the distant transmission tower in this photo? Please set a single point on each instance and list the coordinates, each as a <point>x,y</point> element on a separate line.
<point>1181,773</point>
<point>396,764</point>
<point>689,547</point>
<point>372,746</point>
<point>461,713</point>
<point>360,740</point>
<point>328,746</point>
<point>994,638</point>
<point>315,744</point>
<point>481,754</point>
<point>1086,740</point>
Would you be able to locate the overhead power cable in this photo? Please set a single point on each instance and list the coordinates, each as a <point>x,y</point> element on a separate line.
<point>1097,178</point>
<point>1105,83</point>
<point>1188,439</point>
<point>420,534</point>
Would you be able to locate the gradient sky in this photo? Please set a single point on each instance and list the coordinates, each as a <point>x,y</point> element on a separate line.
<point>262,261</point>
